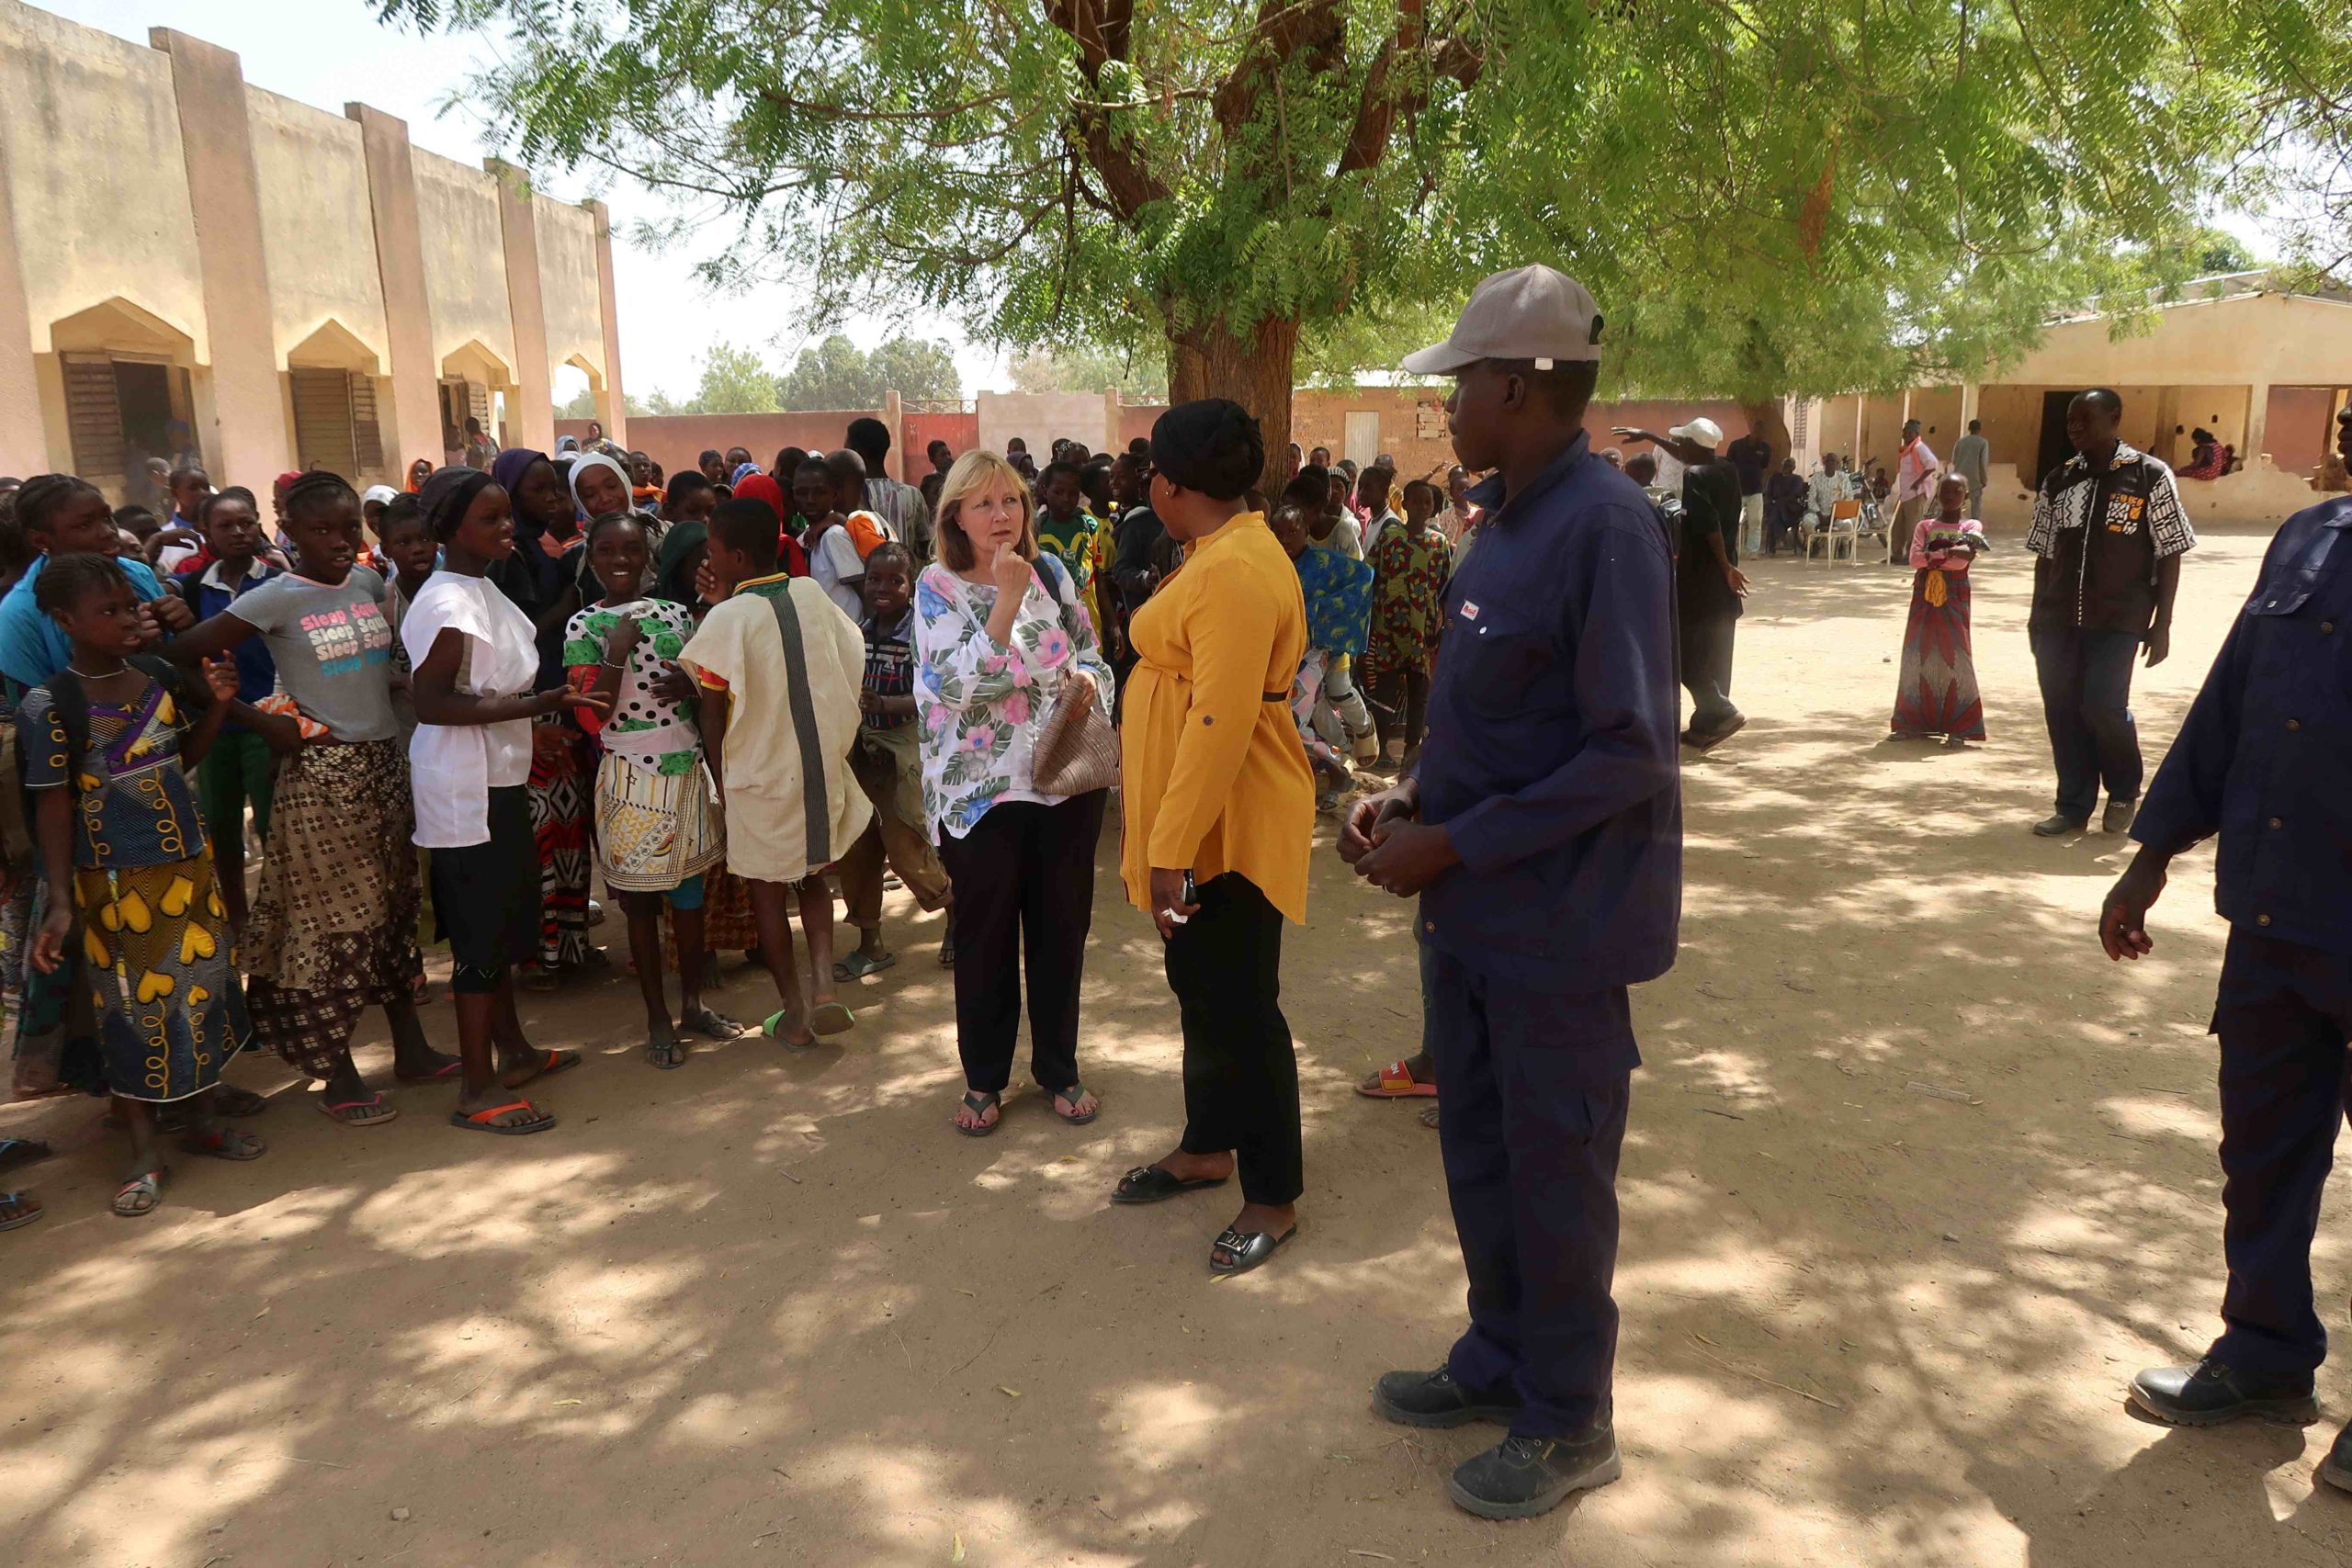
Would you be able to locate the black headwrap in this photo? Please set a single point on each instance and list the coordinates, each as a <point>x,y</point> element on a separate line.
<point>1211,445</point>
<point>445,497</point>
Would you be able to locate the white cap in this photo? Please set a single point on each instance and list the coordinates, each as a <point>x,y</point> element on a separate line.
<point>380,493</point>
<point>1705,432</point>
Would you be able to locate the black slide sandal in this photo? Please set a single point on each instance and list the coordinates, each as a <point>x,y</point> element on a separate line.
<point>1149,1184</point>
<point>1246,1249</point>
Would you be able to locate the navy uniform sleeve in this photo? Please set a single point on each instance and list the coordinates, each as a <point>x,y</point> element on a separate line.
<point>1619,629</point>
<point>2184,803</point>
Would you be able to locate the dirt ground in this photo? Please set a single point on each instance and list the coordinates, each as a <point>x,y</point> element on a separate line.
<point>770,1309</point>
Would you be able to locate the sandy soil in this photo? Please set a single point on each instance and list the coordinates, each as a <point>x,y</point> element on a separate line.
<point>770,1309</point>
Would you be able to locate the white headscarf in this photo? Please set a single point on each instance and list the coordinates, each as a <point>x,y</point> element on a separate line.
<point>593,460</point>
<point>380,493</point>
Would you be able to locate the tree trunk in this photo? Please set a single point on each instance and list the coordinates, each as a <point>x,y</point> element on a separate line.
<point>1767,420</point>
<point>1254,371</point>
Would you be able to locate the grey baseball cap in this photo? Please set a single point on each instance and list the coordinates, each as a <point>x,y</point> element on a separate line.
<point>1530,313</point>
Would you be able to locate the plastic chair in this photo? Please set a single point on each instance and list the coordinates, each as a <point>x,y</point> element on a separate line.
<point>1845,521</point>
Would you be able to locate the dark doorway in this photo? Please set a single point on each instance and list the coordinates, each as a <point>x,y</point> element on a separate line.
<point>2055,449</point>
<point>143,393</point>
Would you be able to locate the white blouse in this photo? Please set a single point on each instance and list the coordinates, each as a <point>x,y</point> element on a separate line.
<point>453,767</point>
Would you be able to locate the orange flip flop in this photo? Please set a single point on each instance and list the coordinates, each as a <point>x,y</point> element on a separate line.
<point>480,1121</point>
<point>1395,1081</point>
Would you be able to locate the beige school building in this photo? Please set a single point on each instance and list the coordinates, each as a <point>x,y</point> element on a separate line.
<point>297,287</point>
<point>2264,369</point>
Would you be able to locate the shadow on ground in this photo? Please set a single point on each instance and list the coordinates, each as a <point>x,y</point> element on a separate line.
<point>1915,1180</point>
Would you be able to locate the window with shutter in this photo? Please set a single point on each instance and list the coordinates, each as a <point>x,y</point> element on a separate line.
<point>478,403</point>
<point>1803,428</point>
<point>323,436</point>
<point>93,416</point>
<point>367,438</point>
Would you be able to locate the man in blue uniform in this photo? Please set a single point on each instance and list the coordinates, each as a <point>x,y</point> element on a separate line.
<point>2262,761</point>
<point>1543,830</point>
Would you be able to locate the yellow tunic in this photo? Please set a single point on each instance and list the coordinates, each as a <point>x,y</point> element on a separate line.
<point>1215,778</point>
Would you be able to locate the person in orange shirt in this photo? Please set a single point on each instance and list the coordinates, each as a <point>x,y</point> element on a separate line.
<point>1220,818</point>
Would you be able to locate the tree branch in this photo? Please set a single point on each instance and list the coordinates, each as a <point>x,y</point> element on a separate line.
<point>1103,29</point>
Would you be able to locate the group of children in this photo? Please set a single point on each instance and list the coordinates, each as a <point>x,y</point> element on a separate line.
<point>381,681</point>
<point>370,684</point>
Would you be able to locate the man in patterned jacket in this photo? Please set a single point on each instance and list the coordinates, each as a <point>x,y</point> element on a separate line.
<point>2109,533</point>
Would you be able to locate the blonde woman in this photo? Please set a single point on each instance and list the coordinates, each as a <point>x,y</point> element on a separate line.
<point>997,632</point>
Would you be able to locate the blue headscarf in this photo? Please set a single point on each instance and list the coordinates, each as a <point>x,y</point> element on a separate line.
<point>741,469</point>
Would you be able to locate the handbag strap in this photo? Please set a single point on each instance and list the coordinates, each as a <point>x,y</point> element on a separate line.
<point>803,728</point>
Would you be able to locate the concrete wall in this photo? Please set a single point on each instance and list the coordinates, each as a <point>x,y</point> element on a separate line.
<point>317,229</point>
<point>96,177</point>
<point>569,289</point>
<point>2258,339</point>
<point>465,259</point>
<point>1043,418</point>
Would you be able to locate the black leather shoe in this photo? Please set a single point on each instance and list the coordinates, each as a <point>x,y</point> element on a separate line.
<point>1523,1477</point>
<point>2336,1468</point>
<point>2209,1393</point>
<point>2059,827</point>
<point>1434,1399</point>
<point>2119,816</point>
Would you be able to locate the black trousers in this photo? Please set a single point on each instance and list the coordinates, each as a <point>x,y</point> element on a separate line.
<point>1706,640</point>
<point>1400,706</point>
<point>2283,1015</point>
<point>1533,1090</point>
<point>1025,897</point>
<point>1241,1069</point>
<point>2087,702</point>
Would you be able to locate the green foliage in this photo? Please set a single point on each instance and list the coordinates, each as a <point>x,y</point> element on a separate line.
<point>837,374</point>
<point>1139,375</point>
<point>1766,195</point>
<point>582,405</point>
<point>734,381</point>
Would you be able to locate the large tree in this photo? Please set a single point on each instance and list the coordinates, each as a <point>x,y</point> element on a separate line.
<point>1766,195</point>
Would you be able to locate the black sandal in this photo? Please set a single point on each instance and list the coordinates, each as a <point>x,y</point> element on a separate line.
<point>664,1049</point>
<point>1074,1093</point>
<point>1244,1251</point>
<point>710,1024</point>
<point>979,1105</point>
<point>1150,1184</point>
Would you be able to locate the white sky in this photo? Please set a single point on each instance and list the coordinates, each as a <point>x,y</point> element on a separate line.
<point>330,53</point>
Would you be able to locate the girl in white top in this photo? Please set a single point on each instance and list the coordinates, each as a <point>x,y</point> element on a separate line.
<point>474,662</point>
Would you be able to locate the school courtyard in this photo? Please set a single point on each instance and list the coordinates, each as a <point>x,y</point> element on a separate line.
<point>1915,1179</point>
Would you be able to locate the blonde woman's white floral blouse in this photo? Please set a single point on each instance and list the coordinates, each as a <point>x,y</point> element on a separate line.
<point>981,704</point>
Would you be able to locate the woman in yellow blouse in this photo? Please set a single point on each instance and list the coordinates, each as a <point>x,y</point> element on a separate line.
<point>1220,817</point>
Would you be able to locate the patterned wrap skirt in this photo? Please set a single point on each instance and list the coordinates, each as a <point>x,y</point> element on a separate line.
<point>558,788</point>
<point>1936,693</point>
<point>334,928</point>
<point>162,968</point>
<point>654,829</point>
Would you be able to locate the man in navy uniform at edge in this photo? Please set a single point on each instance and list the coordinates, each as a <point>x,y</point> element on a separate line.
<point>2263,760</point>
<point>1543,830</point>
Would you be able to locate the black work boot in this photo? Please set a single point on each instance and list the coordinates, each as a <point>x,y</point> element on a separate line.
<point>2209,1393</point>
<point>1435,1399</point>
<point>2336,1468</point>
<point>1523,1477</point>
